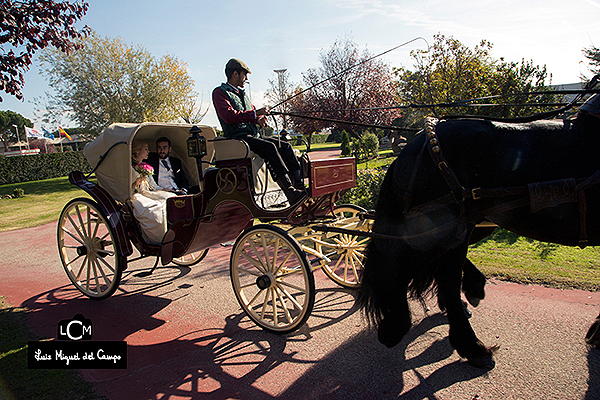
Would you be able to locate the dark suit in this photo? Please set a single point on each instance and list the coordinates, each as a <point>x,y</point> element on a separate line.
<point>180,179</point>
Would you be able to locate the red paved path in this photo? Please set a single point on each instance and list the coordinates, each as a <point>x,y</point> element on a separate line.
<point>187,338</point>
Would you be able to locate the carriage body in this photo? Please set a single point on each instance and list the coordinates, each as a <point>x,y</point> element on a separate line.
<point>96,237</point>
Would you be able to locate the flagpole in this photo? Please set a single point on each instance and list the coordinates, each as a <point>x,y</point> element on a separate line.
<point>18,139</point>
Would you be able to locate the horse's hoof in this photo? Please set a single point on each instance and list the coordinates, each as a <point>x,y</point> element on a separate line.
<point>474,301</point>
<point>483,362</point>
<point>468,312</point>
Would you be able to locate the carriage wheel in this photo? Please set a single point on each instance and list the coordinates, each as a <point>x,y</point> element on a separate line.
<point>190,259</point>
<point>272,279</point>
<point>345,252</point>
<point>86,244</point>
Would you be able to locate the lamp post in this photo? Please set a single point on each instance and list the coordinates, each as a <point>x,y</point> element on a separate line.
<point>281,80</point>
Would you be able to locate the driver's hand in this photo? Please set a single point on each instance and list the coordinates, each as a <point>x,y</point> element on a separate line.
<point>263,111</point>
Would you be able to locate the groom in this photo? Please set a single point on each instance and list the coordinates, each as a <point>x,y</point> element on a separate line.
<point>168,172</point>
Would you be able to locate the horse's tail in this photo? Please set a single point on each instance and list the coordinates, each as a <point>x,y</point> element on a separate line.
<point>375,270</point>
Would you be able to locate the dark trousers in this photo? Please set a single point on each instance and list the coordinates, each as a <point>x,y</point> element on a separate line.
<point>278,154</point>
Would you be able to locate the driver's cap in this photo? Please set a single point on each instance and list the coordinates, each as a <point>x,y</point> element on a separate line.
<point>592,106</point>
<point>235,64</point>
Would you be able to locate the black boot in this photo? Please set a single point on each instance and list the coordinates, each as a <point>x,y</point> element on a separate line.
<point>293,195</point>
<point>298,182</point>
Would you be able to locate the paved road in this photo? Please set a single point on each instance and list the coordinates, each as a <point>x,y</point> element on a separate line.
<point>187,337</point>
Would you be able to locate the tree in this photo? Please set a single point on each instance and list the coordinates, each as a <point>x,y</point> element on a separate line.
<point>365,147</point>
<point>449,72</point>
<point>593,55</point>
<point>353,83</point>
<point>7,130</point>
<point>107,81</point>
<point>28,26</point>
<point>42,144</point>
<point>345,146</point>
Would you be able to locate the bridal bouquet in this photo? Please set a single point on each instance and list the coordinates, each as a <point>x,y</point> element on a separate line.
<point>144,170</point>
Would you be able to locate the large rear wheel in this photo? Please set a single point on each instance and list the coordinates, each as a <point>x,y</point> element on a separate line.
<point>272,278</point>
<point>190,259</point>
<point>86,244</point>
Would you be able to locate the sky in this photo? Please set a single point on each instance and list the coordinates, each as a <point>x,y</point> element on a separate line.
<point>270,35</point>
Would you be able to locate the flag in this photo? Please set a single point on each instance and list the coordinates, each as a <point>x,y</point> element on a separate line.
<point>64,133</point>
<point>48,134</point>
<point>33,133</point>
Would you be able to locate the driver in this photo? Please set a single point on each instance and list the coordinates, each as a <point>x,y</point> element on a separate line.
<point>239,119</point>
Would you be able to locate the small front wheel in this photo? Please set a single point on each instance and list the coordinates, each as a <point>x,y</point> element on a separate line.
<point>345,252</point>
<point>86,244</point>
<point>272,278</point>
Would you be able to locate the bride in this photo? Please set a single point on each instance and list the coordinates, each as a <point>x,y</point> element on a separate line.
<point>148,200</point>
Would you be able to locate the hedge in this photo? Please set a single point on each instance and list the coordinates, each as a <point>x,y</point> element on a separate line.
<point>366,192</point>
<point>42,166</point>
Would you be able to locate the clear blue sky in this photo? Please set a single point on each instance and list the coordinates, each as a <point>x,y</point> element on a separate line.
<point>270,35</point>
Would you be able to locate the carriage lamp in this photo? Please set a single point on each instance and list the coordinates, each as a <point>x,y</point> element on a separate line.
<point>196,144</point>
<point>196,148</point>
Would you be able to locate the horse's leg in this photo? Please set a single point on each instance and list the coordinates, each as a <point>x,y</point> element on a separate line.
<point>462,337</point>
<point>473,283</point>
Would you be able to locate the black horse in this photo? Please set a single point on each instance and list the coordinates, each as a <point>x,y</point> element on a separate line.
<point>538,179</point>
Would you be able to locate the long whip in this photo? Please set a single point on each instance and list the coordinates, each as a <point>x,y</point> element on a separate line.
<point>348,69</point>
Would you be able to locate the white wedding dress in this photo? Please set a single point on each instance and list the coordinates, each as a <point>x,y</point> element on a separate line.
<point>149,209</point>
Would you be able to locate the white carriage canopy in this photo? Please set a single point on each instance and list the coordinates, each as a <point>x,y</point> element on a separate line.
<point>115,173</point>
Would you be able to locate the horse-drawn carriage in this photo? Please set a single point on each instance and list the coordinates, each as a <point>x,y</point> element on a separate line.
<point>271,262</point>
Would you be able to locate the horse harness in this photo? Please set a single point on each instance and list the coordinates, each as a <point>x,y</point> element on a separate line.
<point>537,195</point>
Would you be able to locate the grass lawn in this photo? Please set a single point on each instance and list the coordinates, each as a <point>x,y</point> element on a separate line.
<point>42,202</point>
<point>507,256</point>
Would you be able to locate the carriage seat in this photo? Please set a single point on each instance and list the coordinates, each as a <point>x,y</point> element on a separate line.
<point>235,149</point>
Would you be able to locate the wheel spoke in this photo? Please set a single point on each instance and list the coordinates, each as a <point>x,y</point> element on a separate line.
<point>283,306</point>
<point>73,260</point>
<point>82,267</point>
<point>265,303</point>
<point>107,264</point>
<point>292,299</point>
<point>81,223</point>
<point>276,272</point>
<point>94,264</point>
<point>275,255</point>
<point>354,270</point>
<point>261,264</point>
<point>274,307</point>
<point>106,279</point>
<point>263,241</point>
<point>70,234</point>
<point>298,288</point>
<point>249,272</point>
<point>254,262</point>
<point>255,296</point>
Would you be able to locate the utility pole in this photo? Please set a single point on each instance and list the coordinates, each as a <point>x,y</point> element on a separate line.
<point>282,95</point>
